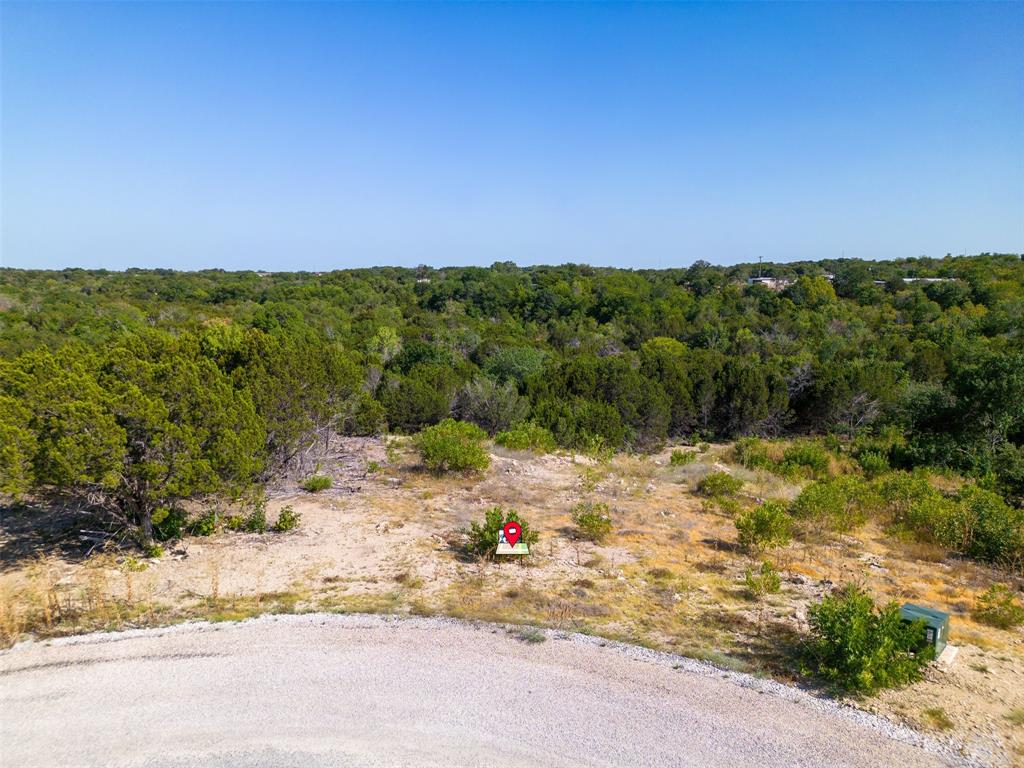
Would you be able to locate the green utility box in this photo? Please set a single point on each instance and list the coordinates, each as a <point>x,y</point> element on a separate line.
<point>936,624</point>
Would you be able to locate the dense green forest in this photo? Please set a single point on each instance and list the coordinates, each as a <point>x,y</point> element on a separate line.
<point>133,390</point>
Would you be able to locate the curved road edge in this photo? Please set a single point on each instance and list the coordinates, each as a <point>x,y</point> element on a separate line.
<point>671,663</point>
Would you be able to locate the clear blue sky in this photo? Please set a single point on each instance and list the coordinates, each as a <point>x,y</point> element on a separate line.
<point>319,136</point>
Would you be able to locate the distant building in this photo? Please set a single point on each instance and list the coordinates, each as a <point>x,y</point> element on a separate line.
<point>920,280</point>
<point>774,283</point>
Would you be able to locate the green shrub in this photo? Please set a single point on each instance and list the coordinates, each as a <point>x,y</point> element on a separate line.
<point>393,450</point>
<point>453,446</point>
<point>530,635</point>
<point>526,436</point>
<point>287,519</point>
<point>899,490</point>
<point>680,458</point>
<point>983,526</point>
<point>838,504</point>
<point>976,522</point>
<point>927,515</point>
<point>703,447</point>
<point>483,538</point>
<point>883,443</point>
<point>169,523</point>
<point>492,406</point>
<point>131,564</point>
<point>205,525</point>
<point>515,363</point>
<point>873,463</point>
<point>999,607</point>
<point>722,505</point>
<point>365,415</point>
<point>832,443</point>
<point>765,526</point>
<point>719,484</point>
<point>586,425</point>
<point>752,453</point>
<point>592,520</point>
<point>911,504</point>
<point>256,521</point>
<point>419,399</point>
<point>153,550</point>
<point>766,581</point>
<point>804,459</point>
<point>1008,464</point>
<point>317,483</point>
<point>860,648</point>
<point>595,446</point>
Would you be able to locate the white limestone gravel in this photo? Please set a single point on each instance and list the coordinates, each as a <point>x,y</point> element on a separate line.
<point>356,690</point>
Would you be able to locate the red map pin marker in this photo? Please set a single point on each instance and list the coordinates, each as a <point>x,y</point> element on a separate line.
<point>512,533</point>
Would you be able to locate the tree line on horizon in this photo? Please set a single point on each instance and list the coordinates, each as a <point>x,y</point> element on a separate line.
<point>132,391</point>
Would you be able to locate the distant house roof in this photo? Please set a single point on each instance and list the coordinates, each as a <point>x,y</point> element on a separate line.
<point>920,280</point>
<point>775,283</point>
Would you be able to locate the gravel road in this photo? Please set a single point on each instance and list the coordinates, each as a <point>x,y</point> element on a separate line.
<point>321,690</point>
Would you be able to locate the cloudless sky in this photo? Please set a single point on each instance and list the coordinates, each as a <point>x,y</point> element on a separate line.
<point>330,135</point>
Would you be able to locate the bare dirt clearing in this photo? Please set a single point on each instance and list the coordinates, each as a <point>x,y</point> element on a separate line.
<point>386,538</point>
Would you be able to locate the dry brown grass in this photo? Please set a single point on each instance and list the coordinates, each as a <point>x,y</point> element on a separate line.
<point>105,593</point>
<point>13,623</point>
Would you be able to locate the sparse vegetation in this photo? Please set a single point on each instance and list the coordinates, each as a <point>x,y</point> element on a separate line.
<point>409,580</point>
<point>1015,716</point>
<point>153,550</point>
<point>938,718</point>
<point>680,458</point>
<point>317,483</point>
<point>805,458</point>
<point>765,581</point>
<point>168,523</point>
<point>530,635</point>
<point>592,520</point>
<point>999,607</point>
